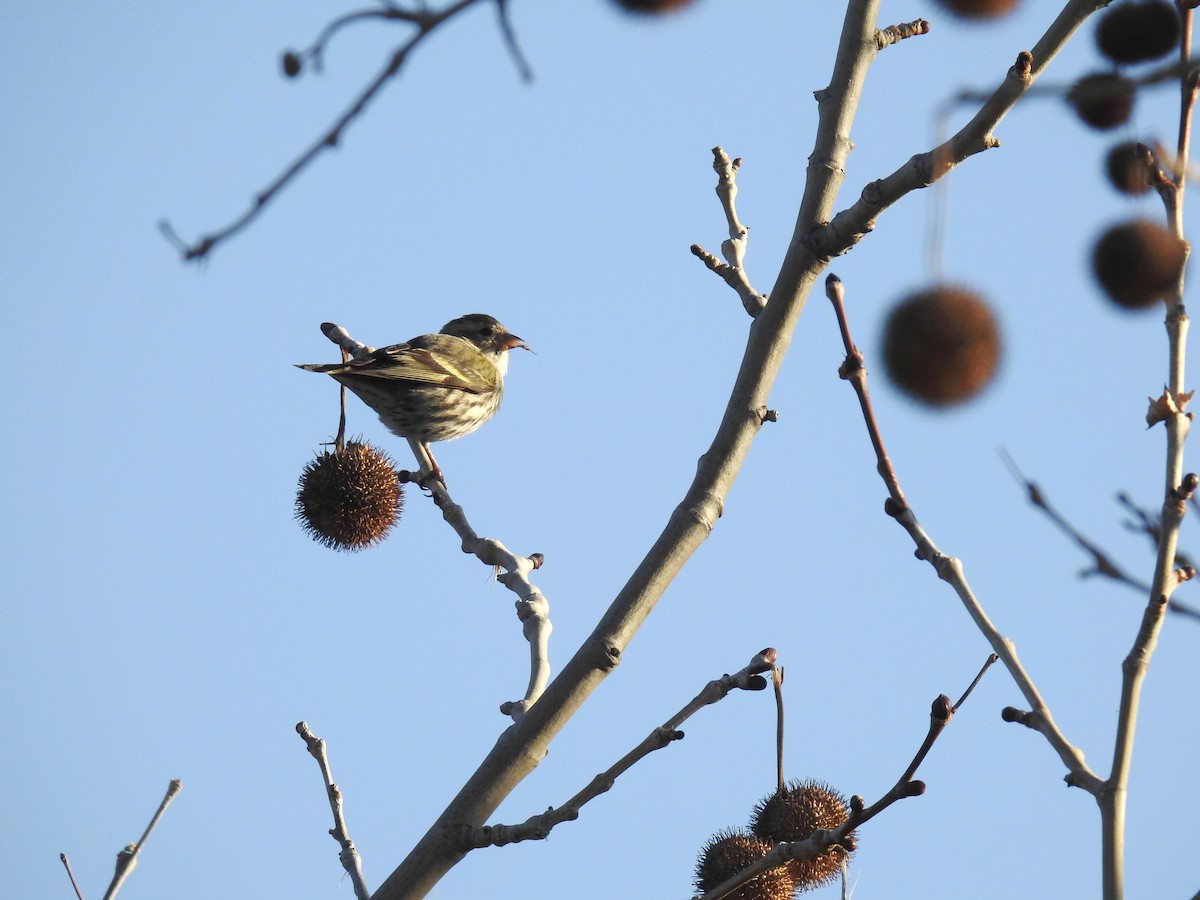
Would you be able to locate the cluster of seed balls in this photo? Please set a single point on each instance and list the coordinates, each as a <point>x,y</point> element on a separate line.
<point>1138,262</point>
<point>790,814</point>
<point>941,344</point>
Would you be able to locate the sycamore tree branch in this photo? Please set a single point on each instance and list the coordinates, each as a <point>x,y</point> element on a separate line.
<point>524,744</point>
<point>128,857</point>
<point>1177,490</point>
<point>348,855</point>
<point>850,225</point>
<point>538,827</point>
<point>813,243</point>
<point>424,21</point>
<point>950,569</point>
<point>1103,564</point>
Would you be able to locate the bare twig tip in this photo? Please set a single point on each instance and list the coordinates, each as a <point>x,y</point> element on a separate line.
<point>941,711</point>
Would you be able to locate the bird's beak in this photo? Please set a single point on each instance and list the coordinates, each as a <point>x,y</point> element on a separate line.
<point>511,342</point>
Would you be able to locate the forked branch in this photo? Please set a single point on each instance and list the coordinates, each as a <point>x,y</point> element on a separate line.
<point>538,827</point>
<point>424,21</point>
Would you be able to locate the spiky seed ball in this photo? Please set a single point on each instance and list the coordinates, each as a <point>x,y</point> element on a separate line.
<point>978,9</point>
<point>1103,100</point>
<point>794,813</point>
<point>727,853</point>
<point>349,500</point>
<point>1137,263</point>
<point>1137,32</point>
<point>652,7</point>
<point>1126,168</point>
<point>941,345</point>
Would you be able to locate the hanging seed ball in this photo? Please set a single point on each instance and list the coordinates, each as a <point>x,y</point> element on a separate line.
<point>978,9</point>
<point>1103,100</point>
<point>349,500</point>
<point>1126,168</point>
<point>1138,32</point>
<point>794,813</point>
<point>941,345</point>
<point>1138,263</point>
<point>727,853</point>
<point>652,7</point>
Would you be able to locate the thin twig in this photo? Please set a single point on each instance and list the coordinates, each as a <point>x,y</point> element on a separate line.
<point>425,23</point>
<point>733,270</point>
<point>340,441</point>
<point>510,41</point>
<point>348,855</point>
<point>853,370</point>
<point>992,657</point>
<point>67,865</point>
<point>950,569</point>
<point>885,37</point>
<point>127,858</point>
<point>1103,564</point>
<point>777,681</point>
<point>539,826</point>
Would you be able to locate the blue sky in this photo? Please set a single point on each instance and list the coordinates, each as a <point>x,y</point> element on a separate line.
<point>167,618</point>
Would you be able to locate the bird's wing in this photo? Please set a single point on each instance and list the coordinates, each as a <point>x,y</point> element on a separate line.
<point>466,369</point>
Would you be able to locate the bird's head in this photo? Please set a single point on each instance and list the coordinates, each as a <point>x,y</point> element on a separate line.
<point>485,333</point>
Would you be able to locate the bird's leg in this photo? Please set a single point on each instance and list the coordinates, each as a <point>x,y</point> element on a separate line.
<point>427,465</point>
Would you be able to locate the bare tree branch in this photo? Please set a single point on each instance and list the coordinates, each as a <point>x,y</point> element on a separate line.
<point>950,569</point>
<point>538,827</point>
<point>348,856</point>
<point>127,858</point>
<point>809,251</point>
<point>425,22</point>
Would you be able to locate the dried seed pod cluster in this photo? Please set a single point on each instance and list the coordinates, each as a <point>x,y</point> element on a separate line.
<point>790,814</point>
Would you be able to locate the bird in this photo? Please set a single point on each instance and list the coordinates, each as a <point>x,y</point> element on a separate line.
<point>434,387</point>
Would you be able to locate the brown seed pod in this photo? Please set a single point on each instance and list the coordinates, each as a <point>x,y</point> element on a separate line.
<point>1137,263</point>
<point>794,813</point>
<point>978,9</point>
<point>727,853</point>
<point>652,7</point>
<point>1126,168</point>
<point>349,500</point>
<point>1104,100</point>
<point>941,345</point>
<point>1138,32</point>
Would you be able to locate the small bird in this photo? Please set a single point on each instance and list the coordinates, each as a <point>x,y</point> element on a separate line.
<point>435,387</point>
